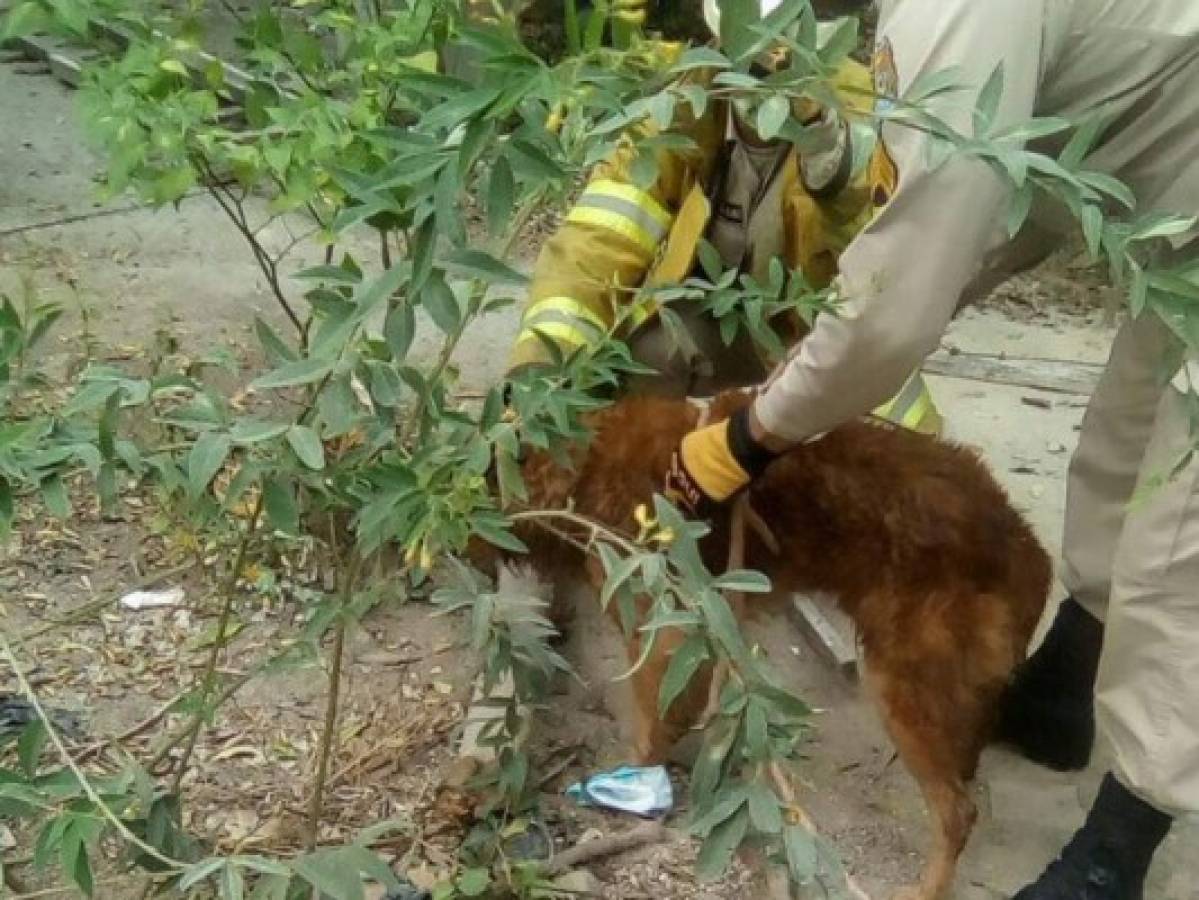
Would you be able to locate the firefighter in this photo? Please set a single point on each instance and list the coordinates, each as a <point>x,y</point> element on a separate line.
<point>1123,652</point>
<point>752,199</point>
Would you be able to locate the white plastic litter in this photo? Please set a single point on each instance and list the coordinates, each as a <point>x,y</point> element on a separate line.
<point>642,790</point>
<point>152,599</point>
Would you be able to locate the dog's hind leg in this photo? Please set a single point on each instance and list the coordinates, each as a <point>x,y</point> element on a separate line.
<point>942,764</point>
<point>654,736</point>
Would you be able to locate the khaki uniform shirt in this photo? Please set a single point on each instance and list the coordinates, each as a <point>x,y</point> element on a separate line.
<point>940,236</point>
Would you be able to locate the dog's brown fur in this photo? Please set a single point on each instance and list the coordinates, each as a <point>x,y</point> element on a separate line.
<point>944,581</point>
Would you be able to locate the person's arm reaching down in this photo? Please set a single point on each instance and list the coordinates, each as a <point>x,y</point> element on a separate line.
<point>901,278</point>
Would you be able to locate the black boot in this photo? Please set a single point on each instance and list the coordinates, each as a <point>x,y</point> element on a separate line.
<point>1110,855</point>
<point>1048,712</point>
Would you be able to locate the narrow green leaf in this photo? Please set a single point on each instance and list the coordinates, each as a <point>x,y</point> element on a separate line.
<point>1084,139</point>
<point>29,746</point>
<point>1138,291</point>
<point>1032,130</point>
<point>205,459</point>
<point>987,104</point>
<point>459,109</point>
<point>1162,226</point>
<point>1112,187</point>
<point>803,860</point>
<point>1019,208</point>
<point>493,533</point>
<point>764,811</point>
<point>720,845</point>
<point>743,580</point>
<point>534,161</point>
<point>935,83</point>
<point>370,294</point>
<point>302,371</point>
<point>399,328</point>
<point>445,204</point>
<point>385,385</point>
<point>279,503</point>
<point>484,266</point>
<point>683,665</point>
<point>231,884</point>
<point>255,431</point>
<point>424,240</point>
<point>757,730</point>
<point>512,482</point>
<point>619,570</point>
<point>325,872</point>
<point>81,872</point>
<point>478,134</point>
<point>439,301</point>
<point>708,770</point>
<point>473,882</point>
<point>724,627</point>
<point>307,446</point>
<point>839,41</point>
<point>702,58</point>
<point>277,350</point>
<point>331,274</point>
<point>771,117</point>
<point>501,191</point>
<point>54,495</point>
<point>1092,228</point>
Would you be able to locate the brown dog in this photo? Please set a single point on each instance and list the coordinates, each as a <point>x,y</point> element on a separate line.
<point>944,581</point>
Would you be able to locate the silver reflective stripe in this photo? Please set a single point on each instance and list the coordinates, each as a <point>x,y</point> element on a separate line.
<point>898,408</point>
<point>629,210</point>
<point>550,316</point>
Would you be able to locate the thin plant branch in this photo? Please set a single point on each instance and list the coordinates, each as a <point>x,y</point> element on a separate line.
<point>85,785</point>
<point>329,731</point>
<point>228,591</point>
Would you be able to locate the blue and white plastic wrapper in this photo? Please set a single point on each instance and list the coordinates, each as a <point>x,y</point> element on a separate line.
<point>642,790</point>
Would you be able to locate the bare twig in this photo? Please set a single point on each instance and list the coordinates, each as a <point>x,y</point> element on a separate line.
<point>232,207</point>
<point>63,889</point>
<point>181,735</point>
<point>645,833</point>
<point>328,733</point>
<point>229,592</point>
<point>144,725</point>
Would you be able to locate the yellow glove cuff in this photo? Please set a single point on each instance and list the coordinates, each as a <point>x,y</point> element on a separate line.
<point>710,462</point>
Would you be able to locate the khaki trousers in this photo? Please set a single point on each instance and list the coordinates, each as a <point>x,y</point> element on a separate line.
<point>1131,556</point>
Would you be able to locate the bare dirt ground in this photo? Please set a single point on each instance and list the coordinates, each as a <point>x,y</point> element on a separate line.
<point>137,271</point>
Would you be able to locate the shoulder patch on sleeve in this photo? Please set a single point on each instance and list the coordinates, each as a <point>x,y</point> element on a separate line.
<point>883,174</point>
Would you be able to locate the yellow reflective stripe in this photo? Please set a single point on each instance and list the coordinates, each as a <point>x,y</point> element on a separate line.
<point>625,210</point>
<point>615,222</point>
<point>909,407</point>
<point>567,306</point>
<point>643,200</point>
<point>557,331</point>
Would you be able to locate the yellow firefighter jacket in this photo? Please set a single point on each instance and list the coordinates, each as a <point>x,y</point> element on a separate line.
<point>619,237</point>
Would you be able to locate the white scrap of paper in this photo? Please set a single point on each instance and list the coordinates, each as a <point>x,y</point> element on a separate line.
<point>152,599</point>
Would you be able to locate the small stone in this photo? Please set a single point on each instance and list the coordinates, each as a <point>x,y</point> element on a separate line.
<point>580,881</point>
